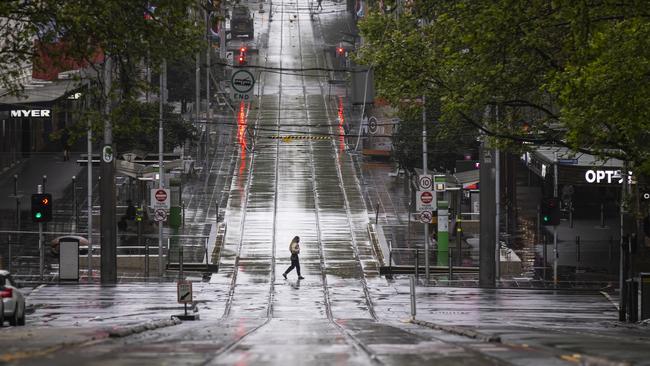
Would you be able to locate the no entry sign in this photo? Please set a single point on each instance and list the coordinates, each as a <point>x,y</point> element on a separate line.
<point>160,198</point>
<point>425,201</point>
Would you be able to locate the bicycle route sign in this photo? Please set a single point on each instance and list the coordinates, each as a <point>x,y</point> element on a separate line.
<point>242,83</point>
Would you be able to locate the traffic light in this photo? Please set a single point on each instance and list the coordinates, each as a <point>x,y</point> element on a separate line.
<point>242,56</point>
<point>41,207</point>
<point>340,51</point>
<point>550,211</point>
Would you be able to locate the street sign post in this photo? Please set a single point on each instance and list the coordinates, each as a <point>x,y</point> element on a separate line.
<point>372,125</point>
<point>425,217</point>
<point>184,292</point>
<point>241,85</point>
<point>425,181</point>
<point>425,201</point>
<point>160,215</point>
<point>160,198</point>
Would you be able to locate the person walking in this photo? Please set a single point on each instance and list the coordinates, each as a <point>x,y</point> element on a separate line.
<point>320,5</point>
<point>294,248</point>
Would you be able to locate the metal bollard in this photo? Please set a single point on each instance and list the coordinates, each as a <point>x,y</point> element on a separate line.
<point>413,310</point>
<point>377,213</point>
<point>417,263</point>
<point>180,262</point>
<point>451,264</point>
<point>146,258</point>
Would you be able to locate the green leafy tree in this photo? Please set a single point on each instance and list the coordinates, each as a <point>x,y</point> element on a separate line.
<point>571,73</point>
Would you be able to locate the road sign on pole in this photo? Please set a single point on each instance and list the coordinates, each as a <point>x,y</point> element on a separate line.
<point>184,292</point>
<point>241,85</point>
<point>160,198</point>
<point>425,201</point>
<point>372,125</point>
<point>160,215</point>
<point>425,181</point>
<point>425,217</point>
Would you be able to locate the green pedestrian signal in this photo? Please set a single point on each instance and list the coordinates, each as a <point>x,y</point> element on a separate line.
<point>550,211</point>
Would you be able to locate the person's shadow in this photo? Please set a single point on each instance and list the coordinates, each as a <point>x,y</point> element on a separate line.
<point>295,284</point>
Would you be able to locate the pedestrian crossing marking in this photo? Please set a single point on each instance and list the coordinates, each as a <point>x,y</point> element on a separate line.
<point>299,137</point>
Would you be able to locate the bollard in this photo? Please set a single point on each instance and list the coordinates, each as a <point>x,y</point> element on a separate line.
<point>417,263</point>
<point>602,215</point>
<point>413,310</point>
<point>180,262</point>
<point>578,249</point>
<point>377,214</point>
<point>451,265</point>
<point>146,258</point>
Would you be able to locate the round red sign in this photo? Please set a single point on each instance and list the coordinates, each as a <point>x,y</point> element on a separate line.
<point>161,195</point>
<point>426,197</point>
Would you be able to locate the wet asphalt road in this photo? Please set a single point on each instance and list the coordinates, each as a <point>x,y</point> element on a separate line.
<point>342,313</point>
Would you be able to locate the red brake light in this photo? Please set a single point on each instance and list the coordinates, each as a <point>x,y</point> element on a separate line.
<point>6,293</point>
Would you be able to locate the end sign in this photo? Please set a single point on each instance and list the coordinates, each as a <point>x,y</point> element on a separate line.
<point>241,85</point>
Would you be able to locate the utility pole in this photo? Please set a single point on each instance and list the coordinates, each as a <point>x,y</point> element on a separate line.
<point>161,168</point>
<point>108,239</point>
<point>497,213</point>
<point>41,246</point>
<point>624,251</point>
<point>556,254</point>
<point>207,74</point>
<point>424,171</point>
<point>89,140</point>
<point>487,250</point>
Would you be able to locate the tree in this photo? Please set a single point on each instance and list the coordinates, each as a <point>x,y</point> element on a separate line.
<point>535,71</point>
<point>133,33</point>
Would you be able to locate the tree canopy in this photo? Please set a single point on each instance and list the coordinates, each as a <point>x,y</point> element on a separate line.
<point>572,73</point>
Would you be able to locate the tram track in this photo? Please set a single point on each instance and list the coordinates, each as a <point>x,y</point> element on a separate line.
<point>327,299</point>
<point>351,338</point>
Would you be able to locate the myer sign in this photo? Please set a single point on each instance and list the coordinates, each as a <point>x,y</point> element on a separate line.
<point>30,113</point>
<point>606,176</point>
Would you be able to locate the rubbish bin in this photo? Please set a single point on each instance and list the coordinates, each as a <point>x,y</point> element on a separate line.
<point>644,284</point>
<point>69,259</point>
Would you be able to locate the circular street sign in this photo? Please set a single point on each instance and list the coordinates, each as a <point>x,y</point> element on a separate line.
<point>425,217</point>
<point>107,154</point>
<point>426,197</point>
<point>242,81</point>
<point>425,182</point>
<point>160,215</point>
<point>161,195</point>
<point>372,125</point>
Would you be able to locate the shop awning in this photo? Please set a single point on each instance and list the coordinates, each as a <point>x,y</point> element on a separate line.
<point>40,93</point>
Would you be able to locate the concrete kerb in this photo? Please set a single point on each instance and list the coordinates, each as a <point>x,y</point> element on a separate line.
<point>459,331</point>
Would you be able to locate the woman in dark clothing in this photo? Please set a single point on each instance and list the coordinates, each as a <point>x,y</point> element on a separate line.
<point>294,248</point>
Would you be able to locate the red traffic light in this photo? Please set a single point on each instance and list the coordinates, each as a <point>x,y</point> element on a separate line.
<point>242,50</point>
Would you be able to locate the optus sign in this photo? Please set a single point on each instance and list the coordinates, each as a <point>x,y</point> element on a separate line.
<point>605,176</point>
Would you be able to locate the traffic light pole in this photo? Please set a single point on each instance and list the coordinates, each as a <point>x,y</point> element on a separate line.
<point>41,247</point>
<point>556,255</point>
<point>161,168</point>
<point>108,240</point>
<point>424,171</point>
